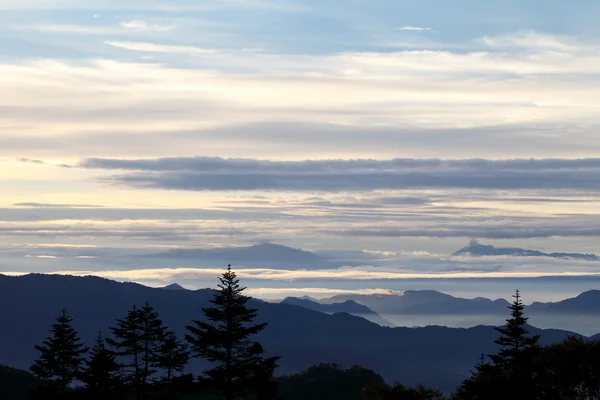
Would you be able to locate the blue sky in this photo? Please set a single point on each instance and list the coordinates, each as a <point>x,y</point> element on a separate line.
<point>225,101</point>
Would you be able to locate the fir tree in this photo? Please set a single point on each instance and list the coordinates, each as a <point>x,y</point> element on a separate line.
<point>485,383</point>
<point>101,372</point>
<point>239,365</point>
<point>172,359</point>
<point>514,341</point>
<point>128,344</point>
<point>512,373</point>
<point>153,336</point>
<point>61,356</point>
<point>137,340</point>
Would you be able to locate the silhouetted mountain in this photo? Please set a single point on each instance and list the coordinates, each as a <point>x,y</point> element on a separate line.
<point>586,303</point>
<point>267,253</point>
<point>435,356</point>
<point>174,286</point>
<point>423,302</point>
<point>349,307</point>
<point>476,249</point>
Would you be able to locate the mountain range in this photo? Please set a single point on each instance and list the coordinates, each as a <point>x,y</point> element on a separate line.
<point>350,307</point>
<point>264,254</point>
<point>435,356</point>
<point>477,249</point>
<point>422,302</point>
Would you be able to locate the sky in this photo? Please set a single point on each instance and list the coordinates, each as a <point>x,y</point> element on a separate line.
<point>378,137</point>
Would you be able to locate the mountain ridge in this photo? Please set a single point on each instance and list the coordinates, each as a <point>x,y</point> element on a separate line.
<point>350,307</point>
<point>264,253</point>
<point>479,250</point>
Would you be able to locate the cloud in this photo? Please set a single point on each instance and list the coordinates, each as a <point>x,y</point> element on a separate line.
<point>158,48</point>
<point>48,205</point>
<point>217,174</point>
<point>353,103</point>
<point>535,41</point>
<point>143,26</point>
<point>415,28</point>
<point>64,28</point>
<point>169,275</point>
<point>31,161</point>
<point>497,231</point>
<point>314,292</point>
<point>154,5</point>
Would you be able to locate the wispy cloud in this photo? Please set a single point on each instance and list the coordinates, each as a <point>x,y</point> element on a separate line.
<point>143,26</point>
<point>536,41</point>
<point>31,161</point>
<point>158,48</point>
<point>65,28</point>
<point>51,205</point>
<point>415,28</point>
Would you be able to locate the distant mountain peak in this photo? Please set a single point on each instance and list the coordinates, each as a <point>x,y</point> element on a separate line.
<point>275,255</point>
<point>174,286</point>
<point>477,249</point>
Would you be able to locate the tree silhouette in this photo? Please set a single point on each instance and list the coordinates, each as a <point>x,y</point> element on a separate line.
<point>239,366</point>
<point>381,391</point>
<point>172,358</point>
<point>570,370</point>
<point>137,339</point>
<point>128,344</point>
<point>513,373</point>
<point>153,336</point>
<point>61,356</point>
<point>101,372</point>
<point>514,341</point>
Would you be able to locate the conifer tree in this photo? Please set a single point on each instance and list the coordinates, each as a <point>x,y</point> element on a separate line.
<point>516,345</point>
<point>239,366</point>
<point>61,356</point>
<point>153,336</point>
<point>512,373</point>
<point>172,358</point>
<point>101,372</point>
<point>485,383</point>
<point>137,339</point>
<point>128,344</point>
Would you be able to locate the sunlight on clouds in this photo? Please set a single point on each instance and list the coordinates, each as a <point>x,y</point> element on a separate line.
<point>191,274</point>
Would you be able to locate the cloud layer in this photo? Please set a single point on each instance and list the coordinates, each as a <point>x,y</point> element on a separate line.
<point>204,173</point>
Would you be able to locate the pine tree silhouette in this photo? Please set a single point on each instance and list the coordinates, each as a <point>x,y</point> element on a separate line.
<point>512,373</point>
<point>101,372</point>
<point>239,365</point>
<point>127,340</point>
<point>172,359</point>
<point>153,336</point>
<point>62,355</point>
<point>137,339</point>
<point>516,345</point>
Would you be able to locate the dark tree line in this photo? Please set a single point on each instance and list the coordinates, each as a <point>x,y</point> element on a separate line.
<point>524,370</point>
<point>143,359</point>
